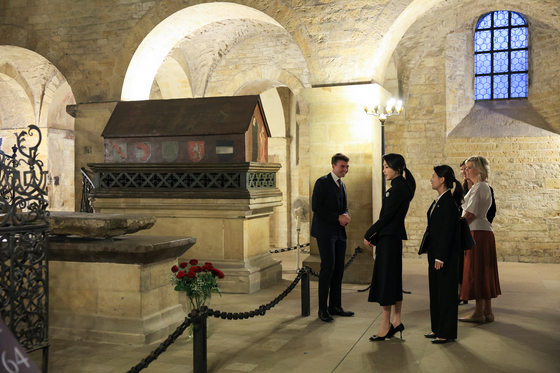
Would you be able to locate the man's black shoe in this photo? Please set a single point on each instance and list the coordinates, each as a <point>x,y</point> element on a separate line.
<point>325,316</point>
<point>340,312</point>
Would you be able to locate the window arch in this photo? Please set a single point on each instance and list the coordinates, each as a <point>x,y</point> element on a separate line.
<point>501,56</point>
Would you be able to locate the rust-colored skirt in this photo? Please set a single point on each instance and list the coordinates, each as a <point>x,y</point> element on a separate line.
<point>480,269</point>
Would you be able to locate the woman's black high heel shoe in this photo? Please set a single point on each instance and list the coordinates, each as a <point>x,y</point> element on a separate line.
<point>394,330</point>
<point>390,333</point>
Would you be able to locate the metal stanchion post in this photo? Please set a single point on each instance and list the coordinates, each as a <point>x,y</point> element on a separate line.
<point>298,229</point>
<point>305,293</point>
<point>200,351</point>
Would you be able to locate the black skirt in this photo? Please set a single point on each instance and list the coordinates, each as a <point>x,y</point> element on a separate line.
<point>386,282</point>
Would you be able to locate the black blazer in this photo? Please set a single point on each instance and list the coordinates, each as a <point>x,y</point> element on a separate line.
<point>443,225</point>
<point>395,206</point>
<point>328,203</point>
<point>491,214</point>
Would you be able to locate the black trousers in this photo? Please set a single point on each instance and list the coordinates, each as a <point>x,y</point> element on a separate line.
<point>443,296</point>
<point>332,251</point>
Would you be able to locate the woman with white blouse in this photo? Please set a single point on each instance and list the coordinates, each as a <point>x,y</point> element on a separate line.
<point>480,271</point>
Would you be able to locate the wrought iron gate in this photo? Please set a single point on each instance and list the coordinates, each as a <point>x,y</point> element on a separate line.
<point>24,261</point>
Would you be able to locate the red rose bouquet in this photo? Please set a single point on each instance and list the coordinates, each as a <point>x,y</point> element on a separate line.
<point>198,282</point>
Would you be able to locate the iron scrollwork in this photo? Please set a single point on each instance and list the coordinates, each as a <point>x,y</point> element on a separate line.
<point>87,187</point>
<point>23,194</point>
<point>24,223</point>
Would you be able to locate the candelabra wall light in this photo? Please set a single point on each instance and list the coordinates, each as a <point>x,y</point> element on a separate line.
<point>392,107</point>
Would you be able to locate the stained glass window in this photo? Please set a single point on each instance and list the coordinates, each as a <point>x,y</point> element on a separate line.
<point>501,56</point>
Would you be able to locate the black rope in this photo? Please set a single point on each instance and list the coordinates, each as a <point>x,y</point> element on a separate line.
<point>366,289</point>
<point>261,311</point>
<point>356,252</point>
<point>276,251</point>
<point>163,346</point>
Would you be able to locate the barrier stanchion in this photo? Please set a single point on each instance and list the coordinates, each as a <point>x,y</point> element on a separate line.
<point>198,319</point>
<point>200,342</point>
<point>305,293</point>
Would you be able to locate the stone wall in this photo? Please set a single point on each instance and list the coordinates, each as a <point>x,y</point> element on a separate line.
<point>443,125</point>
<point>255,53</point>
<point>321,43</point>
<point>420,136</point>
<point>544,70</point>
<point>524,176</point>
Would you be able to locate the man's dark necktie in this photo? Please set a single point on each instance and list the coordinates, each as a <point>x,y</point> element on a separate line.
<point>340,186</point>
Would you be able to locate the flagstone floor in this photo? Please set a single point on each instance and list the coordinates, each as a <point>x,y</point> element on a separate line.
<point>524,338</point>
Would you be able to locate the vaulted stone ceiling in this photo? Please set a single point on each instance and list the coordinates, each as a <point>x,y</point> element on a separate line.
<point>210,45</point>
<point>24,76</point>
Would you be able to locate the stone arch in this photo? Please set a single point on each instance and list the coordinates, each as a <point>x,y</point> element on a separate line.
<point>285,19</point>
<point>375,60</point>
<point>56,96</point>
<point>34,91</point>
<point>16,106</point>
<point>9,70</point>
<point>55,54</point>
<point>173,80</point>
<point>262,78</point>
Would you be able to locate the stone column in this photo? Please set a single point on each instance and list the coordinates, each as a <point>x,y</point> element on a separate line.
<point>91,119</point>
<point>339,124</point>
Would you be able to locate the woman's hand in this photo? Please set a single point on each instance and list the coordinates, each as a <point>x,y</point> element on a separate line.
<point>366,242</point>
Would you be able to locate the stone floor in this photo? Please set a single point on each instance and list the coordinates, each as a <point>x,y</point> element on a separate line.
<point>524,338</point>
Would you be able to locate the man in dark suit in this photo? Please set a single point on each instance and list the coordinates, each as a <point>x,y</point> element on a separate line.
<point>329,205</point>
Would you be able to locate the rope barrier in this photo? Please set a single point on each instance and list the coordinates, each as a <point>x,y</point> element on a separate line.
<point>261,311</point>
<point>350,261</point>
<point>276,251</point>
<point>162,347</point>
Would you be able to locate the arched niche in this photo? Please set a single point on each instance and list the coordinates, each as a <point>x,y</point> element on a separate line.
<point>33,91</point>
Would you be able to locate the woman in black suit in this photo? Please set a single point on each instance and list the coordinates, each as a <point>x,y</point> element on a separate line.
<point>386,283</point>
<point>444,249</point>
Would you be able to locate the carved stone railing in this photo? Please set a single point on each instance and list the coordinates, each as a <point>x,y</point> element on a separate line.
<point>24,266</point>
<point>239,180</point>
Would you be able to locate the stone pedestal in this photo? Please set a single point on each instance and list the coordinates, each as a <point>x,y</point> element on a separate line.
<point>114,290</point>
<point>231,224</point>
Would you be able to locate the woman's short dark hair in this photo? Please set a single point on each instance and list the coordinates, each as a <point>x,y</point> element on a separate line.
<point>397,163</point>
<point>447,172</point>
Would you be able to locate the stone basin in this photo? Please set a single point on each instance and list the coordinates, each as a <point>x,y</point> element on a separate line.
<point>98,225</point>
<point>134,249</point>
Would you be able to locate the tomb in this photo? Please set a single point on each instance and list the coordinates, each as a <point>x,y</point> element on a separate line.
<point>200,167</point>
